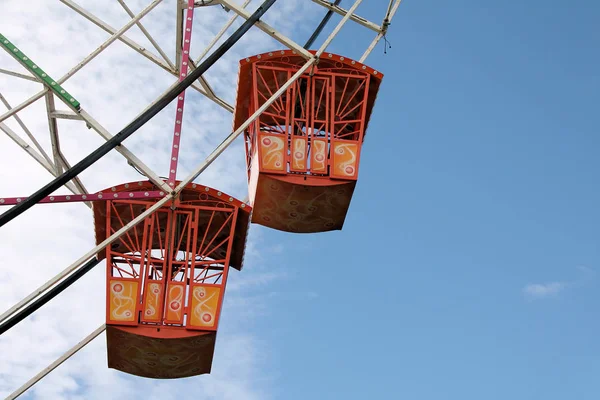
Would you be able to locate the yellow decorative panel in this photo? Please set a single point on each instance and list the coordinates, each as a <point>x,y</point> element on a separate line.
<point>204,306</point>
<point>122,300</point>
<point>318,158</point>
<point>272,153</point>
<point>298,154</point>
<point>153,301</point>
<point>175,303</point>
<point>345,160</point>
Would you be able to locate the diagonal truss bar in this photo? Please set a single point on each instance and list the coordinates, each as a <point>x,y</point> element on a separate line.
<point>53,127</point>
<point>131,158</point>
<point>56,363</point>
<point>18,75</point>
<point>221,33</point>
<point>64,114</point>
<point>360,20</point>
<point>384,26</point>
<point>269,30</point>
<point>25,146</point>
<point>185,57</point>
<point>337,29</point>
<point>46,297</point>
<point>320,28</point>
<point>147,34</point>
<point>27,131</point>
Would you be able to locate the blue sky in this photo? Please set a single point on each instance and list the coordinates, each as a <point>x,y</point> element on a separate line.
<point>479,177</point>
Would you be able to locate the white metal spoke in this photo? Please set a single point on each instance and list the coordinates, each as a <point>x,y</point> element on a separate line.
<point>338,28</point>
<point>25,146</point>
<point>147,34</point>
<point>220,34</point>
<point>268,30</point>
<point>386,22</point>
<point>53,133</point>
<point>18,75</point>
<point>202,80</point>
<point>27,131</point>
<point>360,20</point>
<point>65,114</point>
<point>46,164</point>
<point>56,363</point>
<point>132,158</point>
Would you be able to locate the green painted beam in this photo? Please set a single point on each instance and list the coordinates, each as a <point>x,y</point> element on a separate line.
<point>37,71</point>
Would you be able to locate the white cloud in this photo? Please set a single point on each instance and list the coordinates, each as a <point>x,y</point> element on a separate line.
<point>542,290</point>
<point>551,289</point>
<point>114,88</point>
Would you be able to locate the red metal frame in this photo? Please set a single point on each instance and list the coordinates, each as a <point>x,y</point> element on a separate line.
<point>332,112</point>
<point>188,248</point>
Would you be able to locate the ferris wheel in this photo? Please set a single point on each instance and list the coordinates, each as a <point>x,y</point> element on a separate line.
<point>169,242</point>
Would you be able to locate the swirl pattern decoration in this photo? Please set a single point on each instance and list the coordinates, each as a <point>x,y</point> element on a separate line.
<point>152,310</point>
<point>122,300</point>
<point>318,162</point>
<point>345,156</point>
<point>299,154</point>
<point>272,152</point>
<point>204,305</point>
<point>175,303</point>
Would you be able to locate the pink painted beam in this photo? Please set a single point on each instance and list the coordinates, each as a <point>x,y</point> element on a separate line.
<point>9,201</point>
<point>185,56</point>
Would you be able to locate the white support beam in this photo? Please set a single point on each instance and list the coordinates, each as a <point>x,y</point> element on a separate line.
<point>179,34</point>
<point>360,20</point>
<point>337,29</point>
<point>220,34</point>
<point>60,161</point>
<point>387,20</point>
<point>147,34</point>
<point>27,131</point>
<point>53,127</point>
<point>46,164</point>
<point>202,80</point>
<point>66,114</point>
<point>132,158</point>
<point>268,29</point>
<point>110,30</point>
<point>18,75</point>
